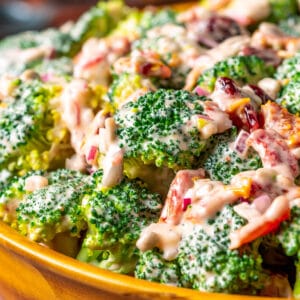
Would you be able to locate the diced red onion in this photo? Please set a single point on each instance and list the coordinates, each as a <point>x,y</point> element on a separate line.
<point>200,91</point>
<point>186,203</point>
<point>46,77</point>
<point>92,153</point>
<point>252,117</point>
<point>240,144</point>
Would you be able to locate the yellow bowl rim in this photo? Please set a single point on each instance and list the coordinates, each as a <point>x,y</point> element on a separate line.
<point>95,277</point>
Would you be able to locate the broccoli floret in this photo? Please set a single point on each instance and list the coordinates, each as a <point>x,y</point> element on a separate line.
<point>62,66</point>
<point>63,175</point>
<point>206,263</point>
<point>98,21</point>
<point>289,69</point>
<point>124,86</point>
<point>291,26</point>
<point>14,191</point>
<point>153,267</point>
<point>11,195</point>
<point>115,218</point>
<point>53,209</point>
<point>222,162</point>
<point>282,9</point>
<point>242,69</point>
<point>152,19</point>
<point>26,129</point>
<point>290,97</point>
<point>53,39</point>
<point>158,180</point>
<point>153,129</point>
<point>289,236</point>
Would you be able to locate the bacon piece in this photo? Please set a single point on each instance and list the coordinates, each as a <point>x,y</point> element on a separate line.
<point>274,151</point>
<point>284,123</point>
<point>173,209</point>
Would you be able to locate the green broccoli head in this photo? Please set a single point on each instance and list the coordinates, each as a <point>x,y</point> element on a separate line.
<point>155,129</point>
<point>26,129</point>
<point>64,175</point>
<point>151,19</point>
<point>289,69</point>
<point>153,267</point>
<point>115,218</point>
<point>206,262</point>
<point>282,9</point>
<point>125,85</point>
<point>158,180</point>
<point>53,209</point>
<point>24,125</point>
<point>98,21</point>
<point>57,43</point>
<point>291,26</point>
<point>11,195</point>
<point>222,162</point>
<point>242,69</point>
<point>117,259</point>
<point>289,237</point>
<point>290,97</point>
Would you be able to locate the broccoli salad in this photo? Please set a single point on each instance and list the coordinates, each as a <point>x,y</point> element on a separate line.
<point>161,143</point>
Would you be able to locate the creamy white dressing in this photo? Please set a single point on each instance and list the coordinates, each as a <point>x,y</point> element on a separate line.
<point>220,118</point>
<point>162,235</point>
<point>271,86</point>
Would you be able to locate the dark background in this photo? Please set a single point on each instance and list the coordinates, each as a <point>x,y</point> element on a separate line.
<point>18,15</point>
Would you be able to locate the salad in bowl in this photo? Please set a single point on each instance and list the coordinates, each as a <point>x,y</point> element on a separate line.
<point>160,143</point>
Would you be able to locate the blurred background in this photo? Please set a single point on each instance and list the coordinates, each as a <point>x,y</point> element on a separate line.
<point>21,15</point>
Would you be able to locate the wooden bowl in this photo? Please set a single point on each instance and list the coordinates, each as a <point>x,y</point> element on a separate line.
<point>31,271</point>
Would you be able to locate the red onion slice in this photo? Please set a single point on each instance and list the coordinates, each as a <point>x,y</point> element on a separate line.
<point>200,91</point>
<point>186,203</point>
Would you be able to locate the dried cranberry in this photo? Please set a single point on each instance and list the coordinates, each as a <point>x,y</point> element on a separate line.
<point>214,30</point>
<point>222,27</point>
<point>260,93</point>
<point>145,68</point>
<point>246,118</point>
<point>227,85</point>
